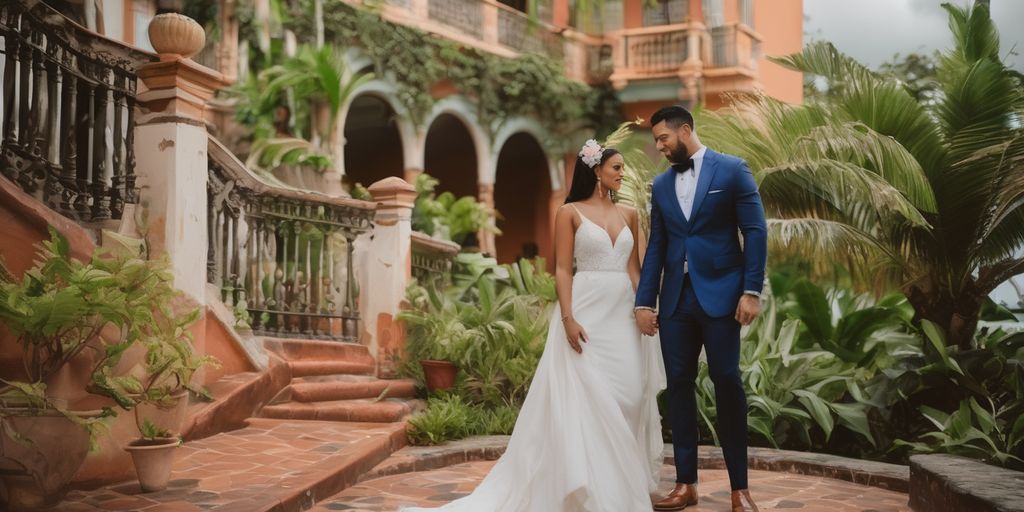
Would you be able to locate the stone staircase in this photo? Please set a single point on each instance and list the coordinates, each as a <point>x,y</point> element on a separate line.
<point>333,381</point>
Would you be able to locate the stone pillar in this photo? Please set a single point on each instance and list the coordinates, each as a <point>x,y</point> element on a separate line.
<point>487,242</point>
<point>170,149</point>
<point>411,174</point>
<point>386,271</point>
<point>227,50</point>
<point>490,22</point>
<point>420,9</point>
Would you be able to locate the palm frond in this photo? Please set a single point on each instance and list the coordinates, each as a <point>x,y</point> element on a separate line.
<point>857,143</point>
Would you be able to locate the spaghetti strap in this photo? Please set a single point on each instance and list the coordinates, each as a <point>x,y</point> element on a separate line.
<point>579,214</point>
<point>624,220</point>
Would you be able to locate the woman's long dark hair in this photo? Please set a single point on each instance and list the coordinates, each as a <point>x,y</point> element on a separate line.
<point>584,177</point>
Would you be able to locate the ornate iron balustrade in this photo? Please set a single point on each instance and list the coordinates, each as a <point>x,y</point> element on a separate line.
<point>655,51</point>
<point>282,255</point>
<point>68,112</point>
<point>517,33</point>
<point>432,260</point>
<point>463,15</point>
<point>735,45</point>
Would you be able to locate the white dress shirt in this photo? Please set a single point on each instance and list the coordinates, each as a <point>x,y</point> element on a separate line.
<point>686,183</point>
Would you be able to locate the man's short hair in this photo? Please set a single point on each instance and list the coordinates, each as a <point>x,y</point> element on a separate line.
<point>674,117</point>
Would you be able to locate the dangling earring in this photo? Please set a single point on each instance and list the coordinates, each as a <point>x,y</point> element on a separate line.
<point>600,187</point>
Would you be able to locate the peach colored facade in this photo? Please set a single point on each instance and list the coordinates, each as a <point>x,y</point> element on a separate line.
<point>166,131</point>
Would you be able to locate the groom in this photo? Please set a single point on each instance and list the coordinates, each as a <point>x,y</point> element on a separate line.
<point>710,286</point>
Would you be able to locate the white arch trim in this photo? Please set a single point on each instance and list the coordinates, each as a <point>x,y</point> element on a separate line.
<point>412,156</point>
<point>460,108</point>
<point>534,129</point>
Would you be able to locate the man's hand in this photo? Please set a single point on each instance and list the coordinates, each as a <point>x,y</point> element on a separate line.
<point>647,321</point>
<point>748,309</point>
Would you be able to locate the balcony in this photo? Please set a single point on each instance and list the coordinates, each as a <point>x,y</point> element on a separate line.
<point>483,24</point>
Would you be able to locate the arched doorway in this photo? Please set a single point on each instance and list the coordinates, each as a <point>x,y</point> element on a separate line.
<point>522,196</point>
<point>373,144</point>
<point>451,156</point>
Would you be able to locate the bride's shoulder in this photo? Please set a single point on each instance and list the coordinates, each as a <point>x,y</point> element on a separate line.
<point>627,210</point>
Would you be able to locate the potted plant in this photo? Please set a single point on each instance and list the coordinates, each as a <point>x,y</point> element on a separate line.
<point>162,390</point>
<point>437,338</point>
<point>153,455</point>
<point>74,321</point>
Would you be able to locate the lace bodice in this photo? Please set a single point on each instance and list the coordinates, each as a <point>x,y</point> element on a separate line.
<point>594,250</point>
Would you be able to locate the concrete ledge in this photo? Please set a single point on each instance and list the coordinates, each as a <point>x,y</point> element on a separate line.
<point>237,398</point>
<point>875,474</point>
<point>945,483</point>
<point>893,477</point>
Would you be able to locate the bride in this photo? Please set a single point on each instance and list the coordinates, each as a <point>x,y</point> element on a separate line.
<point>588,437</point>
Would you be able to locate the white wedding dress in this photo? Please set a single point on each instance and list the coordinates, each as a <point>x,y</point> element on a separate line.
<point>588,437</point>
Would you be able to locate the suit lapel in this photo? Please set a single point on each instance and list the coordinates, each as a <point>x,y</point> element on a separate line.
<point>669,193</point>
<point>707,173</point>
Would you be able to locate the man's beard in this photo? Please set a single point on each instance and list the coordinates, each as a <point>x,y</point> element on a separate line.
<point>678,154</point>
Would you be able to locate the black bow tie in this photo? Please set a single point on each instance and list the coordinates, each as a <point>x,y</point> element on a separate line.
<point>683,167</point>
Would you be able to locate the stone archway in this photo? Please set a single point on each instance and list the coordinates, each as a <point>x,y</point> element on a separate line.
<point>450,156</point>
<point>373,142</point>
<point>522,196</point>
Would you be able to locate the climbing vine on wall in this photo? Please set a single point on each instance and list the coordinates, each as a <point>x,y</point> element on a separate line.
<point>501,88</point>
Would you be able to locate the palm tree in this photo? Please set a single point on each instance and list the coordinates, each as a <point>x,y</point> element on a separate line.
<point>924,196</point>
<point>320,83</point>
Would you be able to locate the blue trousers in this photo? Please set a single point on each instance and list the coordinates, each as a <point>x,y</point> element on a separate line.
<point>683,332</point>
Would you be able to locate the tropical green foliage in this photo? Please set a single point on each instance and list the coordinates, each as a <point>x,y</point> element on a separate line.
<point>301,87</point>
<point>501,87</point>
<point>491,322</point>
<point>62,308</point>
<point>973,431</point>
<point>925,387</point>
<point>802,395</point>
<point>922,194</point>
<point>446,217</point>
<point>449,417</point>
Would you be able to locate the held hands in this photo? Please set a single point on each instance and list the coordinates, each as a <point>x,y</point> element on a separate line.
<point>748,309</point>
<point>575,334</point>
<point>647,321</point>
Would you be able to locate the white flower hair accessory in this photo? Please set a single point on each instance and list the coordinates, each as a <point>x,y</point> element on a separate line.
<point>591,153</point>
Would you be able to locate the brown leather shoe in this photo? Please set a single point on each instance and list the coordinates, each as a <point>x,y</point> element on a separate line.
<point>684,495</point>
<point>738,498</point>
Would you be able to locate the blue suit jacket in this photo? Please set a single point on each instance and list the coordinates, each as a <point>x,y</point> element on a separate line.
<point>725,202</point>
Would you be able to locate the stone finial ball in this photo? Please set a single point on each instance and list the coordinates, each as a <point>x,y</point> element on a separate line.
<point>175,34</point>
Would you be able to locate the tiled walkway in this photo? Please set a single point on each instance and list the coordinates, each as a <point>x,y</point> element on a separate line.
<point>773,491</point>
<point>268,462</point>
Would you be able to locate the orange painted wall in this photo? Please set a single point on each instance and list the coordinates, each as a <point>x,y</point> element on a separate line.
<point>781,25</point>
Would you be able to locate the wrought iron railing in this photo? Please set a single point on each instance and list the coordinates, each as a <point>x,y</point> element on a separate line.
<point>68,112</point>
<point>516,32</point>
<point>734,45</point>
<point>463,15</point>
<point>432,260</point>
<point>284,256</point>
<point>655,51</point>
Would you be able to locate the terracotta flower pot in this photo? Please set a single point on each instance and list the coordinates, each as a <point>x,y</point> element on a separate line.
<point>36,468</point>
<point>153,461</point>
<point>171,418</point>
<point>175,34</point>
<point>439,375</point>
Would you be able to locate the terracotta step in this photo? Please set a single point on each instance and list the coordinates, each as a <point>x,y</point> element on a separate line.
<point>307,368</point>
<point>385,411</point>
<point>237,397</point>
<point>268,466</point>
<point>317,350</point>
<point>342,390</point>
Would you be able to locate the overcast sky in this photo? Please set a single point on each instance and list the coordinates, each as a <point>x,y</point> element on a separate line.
<point>873,30</point>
